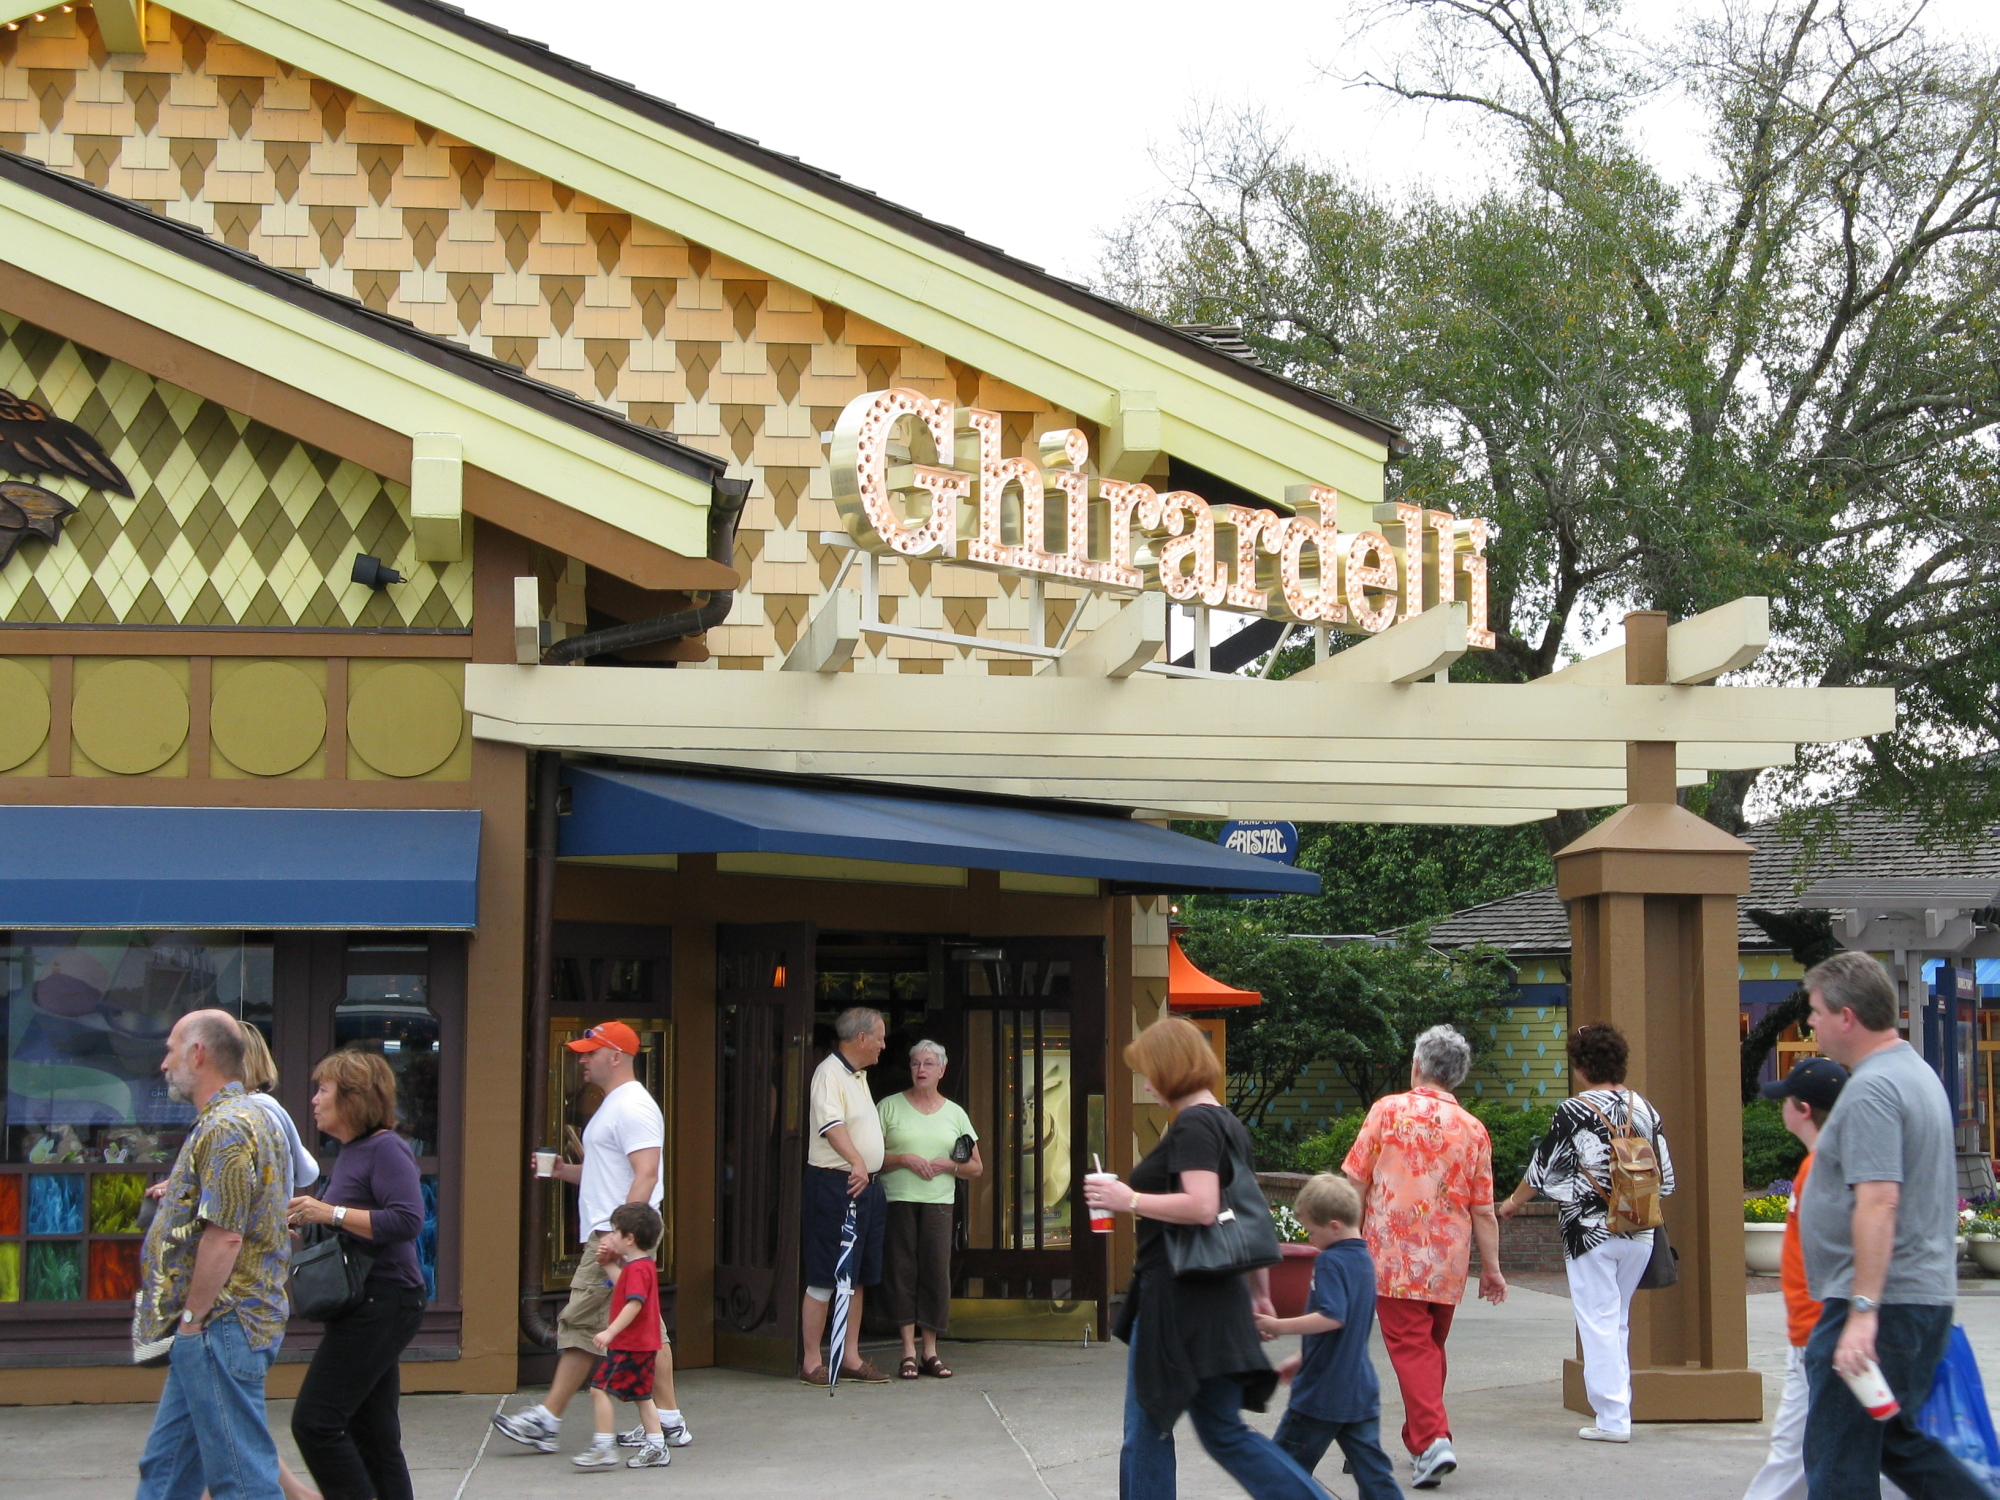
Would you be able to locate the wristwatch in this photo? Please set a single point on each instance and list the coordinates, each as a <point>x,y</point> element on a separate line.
<point>339,1214</point>
<point>1864,1304</point>
<point>189,1322</point>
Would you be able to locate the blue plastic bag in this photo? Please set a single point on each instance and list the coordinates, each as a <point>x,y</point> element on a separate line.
<point>1956,1415</point>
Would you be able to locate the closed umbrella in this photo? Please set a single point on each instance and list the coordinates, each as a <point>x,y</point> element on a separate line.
<point>843,1289</point>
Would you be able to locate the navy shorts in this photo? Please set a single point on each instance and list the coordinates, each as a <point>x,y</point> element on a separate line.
<point>819,1228</point>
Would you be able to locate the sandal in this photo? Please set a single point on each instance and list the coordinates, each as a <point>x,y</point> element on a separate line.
<point>907,1370</point>
<point>933,1366</point>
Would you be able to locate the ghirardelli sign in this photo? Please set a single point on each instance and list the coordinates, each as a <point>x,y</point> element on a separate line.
<point>920,477</point>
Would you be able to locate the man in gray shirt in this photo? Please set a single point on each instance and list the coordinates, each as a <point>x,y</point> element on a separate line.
<point>1878,1224</point>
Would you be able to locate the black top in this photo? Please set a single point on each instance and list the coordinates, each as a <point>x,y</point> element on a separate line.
<point>378,1173</point>
<point>1185,1332</point>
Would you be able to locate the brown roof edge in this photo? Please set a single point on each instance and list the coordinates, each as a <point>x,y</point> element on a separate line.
<point>540,57</point>
<point>570,532</point>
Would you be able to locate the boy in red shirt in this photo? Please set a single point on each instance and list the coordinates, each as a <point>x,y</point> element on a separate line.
<point>630,1341</point>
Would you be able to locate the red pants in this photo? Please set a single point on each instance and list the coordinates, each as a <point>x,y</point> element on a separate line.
<point>1414,1333</point>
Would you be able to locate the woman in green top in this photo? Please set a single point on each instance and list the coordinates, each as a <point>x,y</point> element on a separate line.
<point>919,1128</point>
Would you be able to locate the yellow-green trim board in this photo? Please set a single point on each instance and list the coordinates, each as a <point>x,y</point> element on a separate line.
<point>1004,326</point>
<point>387,386</point>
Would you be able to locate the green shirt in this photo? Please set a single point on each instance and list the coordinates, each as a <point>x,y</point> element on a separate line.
<point>908,1131</point>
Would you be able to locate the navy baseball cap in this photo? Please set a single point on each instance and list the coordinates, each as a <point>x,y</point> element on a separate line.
<point>1813,1080</point>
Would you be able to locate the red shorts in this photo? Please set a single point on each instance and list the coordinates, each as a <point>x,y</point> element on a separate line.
<point>626,1374</point>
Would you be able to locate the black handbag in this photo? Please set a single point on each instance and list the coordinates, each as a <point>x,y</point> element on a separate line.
<point>1663,1269</point>
<point>1243,1237</point>
<point>961,1149</point>
<point>328,1274</point>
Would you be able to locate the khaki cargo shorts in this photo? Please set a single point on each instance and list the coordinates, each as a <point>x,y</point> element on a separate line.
<point>589,1305</point>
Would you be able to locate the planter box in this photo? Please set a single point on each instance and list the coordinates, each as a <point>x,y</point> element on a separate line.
<point>1292,1279</point>
<point>1763,1248</point>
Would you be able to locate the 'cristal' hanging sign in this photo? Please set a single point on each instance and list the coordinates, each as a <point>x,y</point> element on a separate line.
<point>918,477</point>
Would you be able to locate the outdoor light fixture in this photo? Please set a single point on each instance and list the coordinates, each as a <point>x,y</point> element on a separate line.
<point>369,572</point>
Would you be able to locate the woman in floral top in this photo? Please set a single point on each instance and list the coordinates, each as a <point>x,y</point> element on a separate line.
<point>1425,1169</point>
<point>1572,1166</point>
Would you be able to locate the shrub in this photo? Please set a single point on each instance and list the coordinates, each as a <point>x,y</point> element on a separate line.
<point>1326,1151</point>
<point>1515,1132</point>
<point>1770,1151</point>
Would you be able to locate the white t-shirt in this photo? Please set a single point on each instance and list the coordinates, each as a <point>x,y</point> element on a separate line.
<point>628,1120</point>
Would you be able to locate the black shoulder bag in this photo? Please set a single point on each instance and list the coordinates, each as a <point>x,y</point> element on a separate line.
<point>329,1273</point>
<point>1663,1266</point>
<point>1242,1239</point>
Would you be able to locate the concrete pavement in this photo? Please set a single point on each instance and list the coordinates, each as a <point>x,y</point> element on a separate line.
<point>1019,1422</point>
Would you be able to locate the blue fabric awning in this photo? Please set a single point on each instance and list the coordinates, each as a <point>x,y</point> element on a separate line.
<point>641,812</point>
<point>238,867</point>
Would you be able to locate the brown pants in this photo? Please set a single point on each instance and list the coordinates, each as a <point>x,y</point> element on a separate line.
<point>916,1265</point>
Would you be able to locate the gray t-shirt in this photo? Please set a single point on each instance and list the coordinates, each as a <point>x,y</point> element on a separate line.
<point>1892,1123</point>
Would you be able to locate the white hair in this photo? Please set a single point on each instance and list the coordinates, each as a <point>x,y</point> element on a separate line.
<point>856,1020</point>
<point>933,1048</point>
<point>1443,1056</point>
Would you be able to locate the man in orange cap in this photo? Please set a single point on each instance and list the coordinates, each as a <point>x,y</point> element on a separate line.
<point>622,1148</point>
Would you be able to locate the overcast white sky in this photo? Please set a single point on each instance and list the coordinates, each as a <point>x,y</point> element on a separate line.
<point>1088,89</point>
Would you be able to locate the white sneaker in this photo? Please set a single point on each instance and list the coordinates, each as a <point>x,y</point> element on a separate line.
<point>651,1456</point>
<point>530,1427</point>
<point>675,1434</point>
<point>1599,1435</point>
<point>1431,1465</point>
<point>597,1456</point>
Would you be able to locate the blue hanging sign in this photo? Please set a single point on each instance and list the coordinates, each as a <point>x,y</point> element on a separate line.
<point>1275,841</point>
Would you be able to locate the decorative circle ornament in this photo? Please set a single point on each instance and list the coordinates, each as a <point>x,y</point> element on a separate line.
<point>267,718</point>
<point>404,720</point>
<point>130,717</point>
<point>24,714</point>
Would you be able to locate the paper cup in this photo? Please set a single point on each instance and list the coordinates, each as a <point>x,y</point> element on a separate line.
<point>1100,1218</point>
<point>545,1163</point>
<point>1873,1392</point>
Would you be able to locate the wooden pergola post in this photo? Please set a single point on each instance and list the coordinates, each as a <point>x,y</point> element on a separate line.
<point>1652,899</point>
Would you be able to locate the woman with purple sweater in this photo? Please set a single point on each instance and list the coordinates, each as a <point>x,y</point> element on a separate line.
<point>346,1421</point>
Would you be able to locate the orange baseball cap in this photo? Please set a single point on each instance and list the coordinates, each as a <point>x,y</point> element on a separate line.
<point>613,1034</point>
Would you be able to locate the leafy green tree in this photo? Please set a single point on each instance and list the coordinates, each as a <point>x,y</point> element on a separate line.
<point>1377,876</point>
<point>1359,1006</point>
<point>1776,374</point>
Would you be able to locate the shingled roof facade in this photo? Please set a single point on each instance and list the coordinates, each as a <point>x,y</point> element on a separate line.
<point>1865,844</point>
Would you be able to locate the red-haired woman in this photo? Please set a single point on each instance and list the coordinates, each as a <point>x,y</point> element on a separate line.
<point>1194,1344</point>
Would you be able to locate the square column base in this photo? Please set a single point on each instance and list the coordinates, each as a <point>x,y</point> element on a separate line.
<point>1687,1395</point>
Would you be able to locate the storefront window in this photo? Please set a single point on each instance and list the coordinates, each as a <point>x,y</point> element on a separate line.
<point>89,1119</point>
<point>391,1013</point>
<point>1018,1086</point>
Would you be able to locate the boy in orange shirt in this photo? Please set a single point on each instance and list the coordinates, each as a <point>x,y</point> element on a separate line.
<point>1808,1092</point>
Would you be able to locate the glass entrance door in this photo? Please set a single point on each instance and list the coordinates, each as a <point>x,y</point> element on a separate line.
<point>764,997</point>
<point>1031,1023</point>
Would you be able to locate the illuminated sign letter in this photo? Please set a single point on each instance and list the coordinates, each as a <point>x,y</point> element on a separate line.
<point>1380,576</point>
<point>1204,580</point>
<point>877,499</point>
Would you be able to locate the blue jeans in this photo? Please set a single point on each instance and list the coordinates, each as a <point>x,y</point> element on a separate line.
<point>1846,1449</point>
<point>1307,1439</point>
<point>209,1431</point>
<point>1146,1464</point>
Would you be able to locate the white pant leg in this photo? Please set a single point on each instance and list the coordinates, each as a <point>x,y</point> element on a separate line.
<point>1783,1476</point>
<point>1601,1284</point>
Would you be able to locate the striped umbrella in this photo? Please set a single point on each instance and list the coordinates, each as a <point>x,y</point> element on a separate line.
<point>843,1289</point>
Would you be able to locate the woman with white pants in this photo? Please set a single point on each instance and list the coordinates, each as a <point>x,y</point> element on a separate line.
<point>1572,1166</point>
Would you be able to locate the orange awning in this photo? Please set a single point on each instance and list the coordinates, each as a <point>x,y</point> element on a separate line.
<point>1190,989</point>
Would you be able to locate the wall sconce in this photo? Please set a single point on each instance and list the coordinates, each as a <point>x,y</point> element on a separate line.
<point>369,572</point>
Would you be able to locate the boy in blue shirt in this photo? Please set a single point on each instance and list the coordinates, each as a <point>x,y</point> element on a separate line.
<point>1335,1398</point>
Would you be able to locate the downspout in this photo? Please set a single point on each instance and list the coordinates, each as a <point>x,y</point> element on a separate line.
<point>535,1326</point>
<point>724,510</point>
